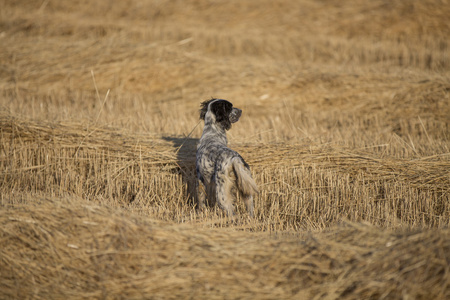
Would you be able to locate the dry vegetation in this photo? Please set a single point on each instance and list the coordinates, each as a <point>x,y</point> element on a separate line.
<point>346,128</point>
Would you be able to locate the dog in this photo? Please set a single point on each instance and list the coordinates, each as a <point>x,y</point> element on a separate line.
<point>221,172</point>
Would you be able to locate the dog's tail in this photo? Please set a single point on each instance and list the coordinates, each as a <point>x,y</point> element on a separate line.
<point>245,182</point>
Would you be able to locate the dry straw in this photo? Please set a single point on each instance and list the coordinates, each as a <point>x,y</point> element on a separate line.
<point>72,248</point>
<point>300,183</point>
<point>345,127</point>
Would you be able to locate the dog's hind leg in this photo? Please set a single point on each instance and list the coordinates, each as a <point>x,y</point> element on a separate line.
<point>201,195</point>
<point>248,200</point>
<point>224,194</point>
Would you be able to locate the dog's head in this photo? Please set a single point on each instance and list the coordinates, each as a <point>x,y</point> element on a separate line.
<point>220,111</point>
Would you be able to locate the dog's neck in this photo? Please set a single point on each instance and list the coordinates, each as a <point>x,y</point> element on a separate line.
<point>213,133</point>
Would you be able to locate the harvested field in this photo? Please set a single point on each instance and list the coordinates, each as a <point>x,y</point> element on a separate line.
<point>70,248</point>
<point>346,127</point>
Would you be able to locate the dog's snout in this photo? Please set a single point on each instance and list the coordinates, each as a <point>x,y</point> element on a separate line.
<point>235,115</point>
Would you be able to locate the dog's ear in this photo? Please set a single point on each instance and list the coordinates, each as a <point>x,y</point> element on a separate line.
<point>204,108</point>
<point>222,110</point>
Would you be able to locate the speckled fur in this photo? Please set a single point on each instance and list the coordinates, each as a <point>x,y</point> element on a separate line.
<point>221,171</point>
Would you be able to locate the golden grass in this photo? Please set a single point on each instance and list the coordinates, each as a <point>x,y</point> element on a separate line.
<point>71,248</point>
<point>300,182</point>
<point>345,127</point>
